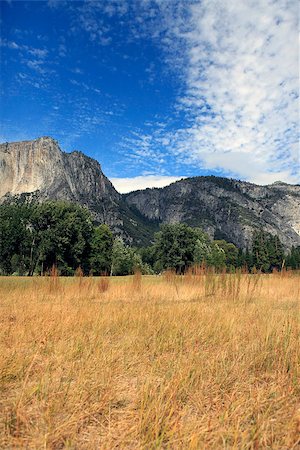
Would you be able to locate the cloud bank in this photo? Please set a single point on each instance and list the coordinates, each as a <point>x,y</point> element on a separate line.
<point>125,185</point>
<point>238,62</point>
<point>242,89</point>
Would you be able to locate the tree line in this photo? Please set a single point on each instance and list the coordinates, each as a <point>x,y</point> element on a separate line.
<point>36,237</point>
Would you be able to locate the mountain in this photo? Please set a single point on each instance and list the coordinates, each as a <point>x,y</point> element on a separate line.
<point>38,170</point>
<point>225,208</point>
<point>40,167</point>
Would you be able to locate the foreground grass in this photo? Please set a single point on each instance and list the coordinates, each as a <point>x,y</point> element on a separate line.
<point>198,362</point>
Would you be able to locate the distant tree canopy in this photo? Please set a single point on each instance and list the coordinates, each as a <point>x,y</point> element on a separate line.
<point>175,246</point>
<point>101,250</point>
<point>267,252</point>
<point>179,246</point>
<point>34,237</point>
<point>293,259</point>
<point>126,260</point>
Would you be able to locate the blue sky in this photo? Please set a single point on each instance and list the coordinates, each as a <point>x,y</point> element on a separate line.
<point>156,89</point>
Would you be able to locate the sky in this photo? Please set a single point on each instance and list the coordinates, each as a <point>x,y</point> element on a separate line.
<point>157,90</point>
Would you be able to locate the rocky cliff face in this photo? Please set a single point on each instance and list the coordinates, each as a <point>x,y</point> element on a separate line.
<point>38,170</point>
<point>40,167</point>
<point>225,208</point>
<point>29,166</point>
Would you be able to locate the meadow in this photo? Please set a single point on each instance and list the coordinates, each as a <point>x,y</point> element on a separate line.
<point>201,361</point>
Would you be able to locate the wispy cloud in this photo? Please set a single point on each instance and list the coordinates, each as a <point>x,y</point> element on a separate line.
<point>62,50</point>
<point>34,58</point>
<point>238,62</point>
<point>146,150</point>
<point>53,4</point>
<point>36,52</point>
<point>84,86</point>
<point>242,89</point>
<point>77,71</point>
<point>89,16</point>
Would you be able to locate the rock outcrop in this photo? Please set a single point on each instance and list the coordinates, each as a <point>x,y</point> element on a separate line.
<point>39,170</point>
<point>225,208</point>
<point>40,167</point>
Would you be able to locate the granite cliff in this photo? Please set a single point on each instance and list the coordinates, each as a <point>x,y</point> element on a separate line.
<point>39,167</point>
<point>38,170</point>
<point>225,208</point>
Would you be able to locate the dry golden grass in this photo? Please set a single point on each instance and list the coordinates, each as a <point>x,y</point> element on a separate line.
<point>194,362</point>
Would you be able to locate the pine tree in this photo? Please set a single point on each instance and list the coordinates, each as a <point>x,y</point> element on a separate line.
<point>260,251</point>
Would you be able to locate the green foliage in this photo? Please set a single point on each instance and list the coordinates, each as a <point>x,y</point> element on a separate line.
<point>126,260</point>
<point>15,238</point>
<point>136,225</point>
<point>179,246</point>
<point>245,259</point>
<point>61,235</point>
<point>231,253</point>
<point>122,263</point>
<point>175,246</point>
<point>34,237</point>
<point>209,253</point>
<point>202,251</point>
<point>217,256</point>
<point>275,252</point>
<point>260,251</point>
<point>293,259</point>
<point>267,251</point>
<point>148,255</point>
<point>101,249</point>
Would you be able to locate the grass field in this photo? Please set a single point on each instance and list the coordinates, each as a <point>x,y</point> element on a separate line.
<point>194,362</point>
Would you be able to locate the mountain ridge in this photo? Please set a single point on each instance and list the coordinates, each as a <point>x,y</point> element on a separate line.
<point>223,207</point>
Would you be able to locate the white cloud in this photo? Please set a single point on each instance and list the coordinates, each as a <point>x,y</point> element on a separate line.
<point>125,185</point>
<point>89,16</point>
<point>62,50</point>
<point>40,53</point>
<point>243,71</point>
<point>53,4</point>
<point>238,62</point>
<point>34,58</point>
